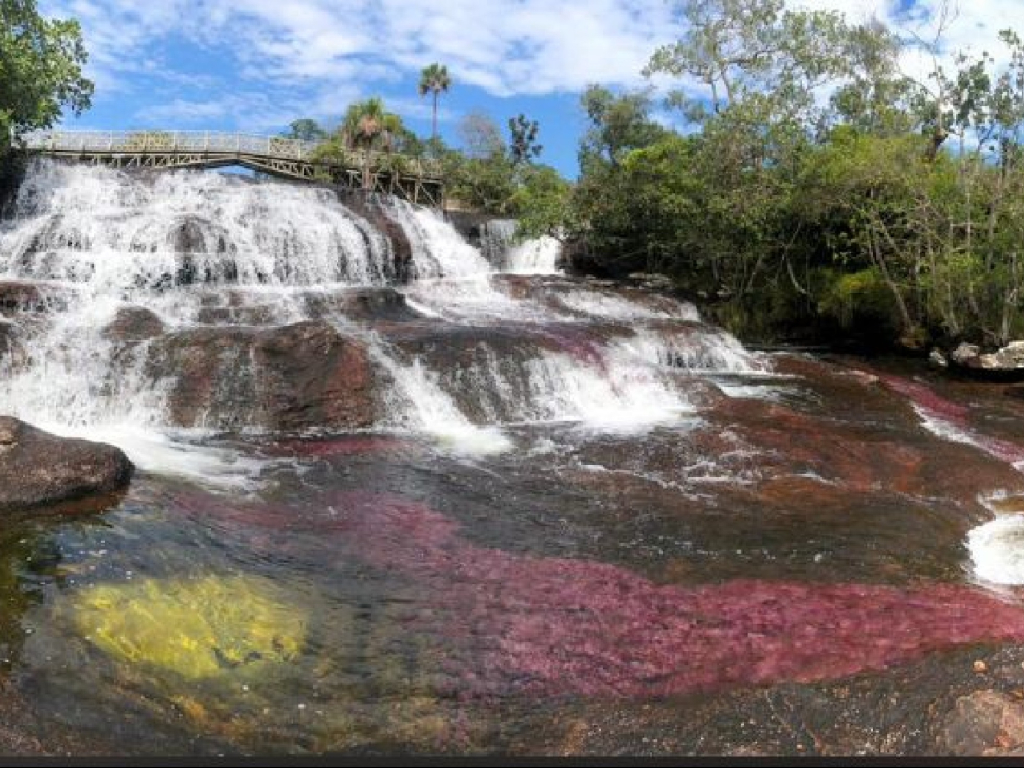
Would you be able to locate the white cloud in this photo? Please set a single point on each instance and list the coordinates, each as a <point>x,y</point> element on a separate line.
<point>314,55</point>
<point>503,46</point>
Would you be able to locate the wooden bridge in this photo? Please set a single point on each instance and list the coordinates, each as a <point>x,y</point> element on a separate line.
<point>391,173</point>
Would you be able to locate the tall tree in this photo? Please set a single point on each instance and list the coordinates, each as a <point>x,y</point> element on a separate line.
<point>369,125</point>
<point>306,129</point>
<point>434,80</point>
<point>618,124</point>
<point>40,69</point>
<point>523,146</point>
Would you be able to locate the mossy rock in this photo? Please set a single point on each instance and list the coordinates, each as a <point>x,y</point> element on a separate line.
<point>197,628</point>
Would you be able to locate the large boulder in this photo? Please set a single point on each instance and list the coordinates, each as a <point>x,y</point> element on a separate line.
<point>293,378</point>
<point>134,324</point>
<point>39,469</point>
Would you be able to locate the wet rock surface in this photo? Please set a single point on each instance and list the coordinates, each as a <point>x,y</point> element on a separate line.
<point>134,324</point>
<point>8,339</point>
<point>1004,363</point>
<point>297,377</point>
<point>38,469</point>
<point>17,297</point>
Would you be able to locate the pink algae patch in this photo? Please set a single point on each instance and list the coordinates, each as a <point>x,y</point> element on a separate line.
<point>554,626</point>
<point>938,407</point>
<point>927,400</point>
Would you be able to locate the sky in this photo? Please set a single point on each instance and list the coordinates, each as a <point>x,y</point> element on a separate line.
<point>256,65</point>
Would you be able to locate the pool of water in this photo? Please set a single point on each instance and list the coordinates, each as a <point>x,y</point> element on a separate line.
<point>372,593</point>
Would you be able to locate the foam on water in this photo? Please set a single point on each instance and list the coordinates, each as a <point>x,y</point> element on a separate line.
<point>195,247</point>
<point>997,550</point>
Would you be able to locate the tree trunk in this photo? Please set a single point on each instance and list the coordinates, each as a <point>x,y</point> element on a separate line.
<point>434,125</point>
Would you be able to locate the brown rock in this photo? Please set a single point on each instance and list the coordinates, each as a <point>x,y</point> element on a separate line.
<point>134,324</point>
<point>18,297</point>
<point>40,469</point>
<point>984,723</point>
<point>312,376</point>
<point>301,376</point>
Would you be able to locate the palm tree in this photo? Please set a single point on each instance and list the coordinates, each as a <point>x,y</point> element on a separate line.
<point>367,124</point>
<point>436,80</point>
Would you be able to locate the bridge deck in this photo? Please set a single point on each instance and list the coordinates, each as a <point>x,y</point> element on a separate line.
<point>392,173</point>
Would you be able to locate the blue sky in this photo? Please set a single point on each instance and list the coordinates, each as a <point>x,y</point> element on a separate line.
<point>256,65</point>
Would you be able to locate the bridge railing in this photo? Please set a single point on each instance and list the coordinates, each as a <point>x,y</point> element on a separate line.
<point>169,141</point>
<point>217,142</point>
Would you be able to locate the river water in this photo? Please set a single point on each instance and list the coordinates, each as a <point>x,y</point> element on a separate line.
<point>554,517</point>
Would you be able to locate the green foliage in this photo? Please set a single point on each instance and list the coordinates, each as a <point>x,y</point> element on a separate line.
<point>618,124</point>
<point>857,215</point>
<point>434,80</point>
<point>40,69</point>
<point>306,129</point>
<point>858,296</point>
<point>541,203</point>
<point>523,147</point>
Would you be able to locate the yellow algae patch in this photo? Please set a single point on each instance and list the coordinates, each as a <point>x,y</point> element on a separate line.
<point>198,628</point>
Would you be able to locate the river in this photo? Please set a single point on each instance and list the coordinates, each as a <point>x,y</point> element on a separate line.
<point>395,497</point>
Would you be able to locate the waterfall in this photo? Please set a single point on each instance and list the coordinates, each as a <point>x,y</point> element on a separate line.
<point>103,272</point>
<point>532,256</point>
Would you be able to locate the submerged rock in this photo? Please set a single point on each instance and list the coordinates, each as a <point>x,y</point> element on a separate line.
<point>195,628</point>
<point>39,469</point>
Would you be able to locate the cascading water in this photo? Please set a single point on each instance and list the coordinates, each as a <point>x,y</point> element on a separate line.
<point>506,253</point>
<point>485,498</point>
<point>196,249</point>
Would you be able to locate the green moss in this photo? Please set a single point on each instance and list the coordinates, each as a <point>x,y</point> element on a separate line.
<point>197,628</point>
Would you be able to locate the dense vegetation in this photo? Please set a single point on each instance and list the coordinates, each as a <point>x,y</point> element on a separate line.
<point>40,74</point>
<point>891,208</point>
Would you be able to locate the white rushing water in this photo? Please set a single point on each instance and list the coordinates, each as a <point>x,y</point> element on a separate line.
<point>200,248</point>
<point>505,253</point>
<point>997,550</point>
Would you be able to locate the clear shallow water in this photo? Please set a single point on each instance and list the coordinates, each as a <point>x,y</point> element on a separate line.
<point>582,522</point>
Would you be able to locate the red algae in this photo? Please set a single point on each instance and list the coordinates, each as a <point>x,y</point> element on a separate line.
<point>927,400</point>
<point>555,626</point>
<point>937,407</point>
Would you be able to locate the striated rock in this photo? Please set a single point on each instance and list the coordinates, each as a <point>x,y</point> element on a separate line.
<point>367,304</point>
<point>134,324</point>
<point>301,376</point>
<point>376,215</point>
<point>39,469</point>
<point>985,723</point>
